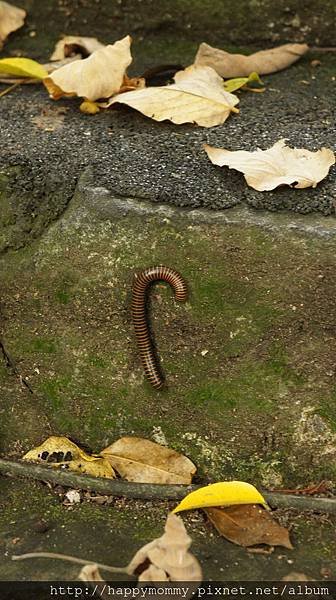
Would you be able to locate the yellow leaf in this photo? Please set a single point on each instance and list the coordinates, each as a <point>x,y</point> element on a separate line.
<point>22,67</point>
<point>231,85</point>
<point>224,493</point>
<point>89,108</point>
<point>61,452</point>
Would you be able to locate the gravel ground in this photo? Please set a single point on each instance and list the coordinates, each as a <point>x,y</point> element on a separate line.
<point>135,157</point>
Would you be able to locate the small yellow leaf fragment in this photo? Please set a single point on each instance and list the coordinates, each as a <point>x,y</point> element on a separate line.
<point>89,108</point>
<point>224,493</point>
<point>231,85</point>
<point>22,67</point>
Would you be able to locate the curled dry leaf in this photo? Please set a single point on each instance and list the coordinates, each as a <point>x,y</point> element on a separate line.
<point>279,165</point>
<point>168,553</point>
<point>141,460</point>
<point>98,76</point>
<point>223,493</point>
<point>197,96</point>
<point>61,452</point>
<point>248,525</point>
<point>11,19</point>
<point>71,45</point>
<point>238,65</point>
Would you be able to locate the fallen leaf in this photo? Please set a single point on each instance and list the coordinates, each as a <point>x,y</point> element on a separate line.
<point>61,452</point>
<point>142,460</point>
<point>295,576</point>
<point>91,575</point>
<point>71,45</point>
<point>224,493</point>
<point>279,165</point>
<point>248,525</point>
<point>251,82</point>
<point>22,67</point>
<point>197,96</point>
<point>11,19</point>
<point>98,76</point>
<point>169,554</point>
<point>50,118</point>
<point>238,65</point>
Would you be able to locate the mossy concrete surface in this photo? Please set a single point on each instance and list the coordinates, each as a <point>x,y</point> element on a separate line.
<point>249,363</point>
<point>238,22</point>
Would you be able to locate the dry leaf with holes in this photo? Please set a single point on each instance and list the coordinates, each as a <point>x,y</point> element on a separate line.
<point>71,45</point>
<point>248,525</point>
<point>11,19</point>
<point>98,76</point>
<point>169,555</point>
<point>138,459</point>
<point>197,96</point>
<point>238,65</point>
<point>280,165</point>
<point>61,452</point>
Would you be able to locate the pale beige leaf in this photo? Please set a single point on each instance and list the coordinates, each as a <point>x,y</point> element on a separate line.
<point>98,76</point>
<point>197,96</point>
<point>238,65</point>
<point>170,554</point>
<point>279,165</point>
<point>138,459</point>
<point>11,19</point>
<point>90,574</point>
<point>71,45</point>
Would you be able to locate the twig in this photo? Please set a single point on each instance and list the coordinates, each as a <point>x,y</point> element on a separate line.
<point>9,89</point>
<point>11,364</point>
<point>149,491</point>
<point>68,557</point>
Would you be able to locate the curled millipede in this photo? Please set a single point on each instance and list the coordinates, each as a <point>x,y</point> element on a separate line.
<point>140,285</point>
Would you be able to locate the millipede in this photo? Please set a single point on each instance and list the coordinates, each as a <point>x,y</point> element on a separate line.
<point>141,283</point>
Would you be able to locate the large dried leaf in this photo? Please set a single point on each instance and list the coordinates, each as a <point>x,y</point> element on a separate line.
<point>197,96</point>
<point>11,19</point>
<point>71,45</point>
<point>279,165</point>
<point>98,76</point>
<point>224,493</point>
<point>248,525</point>
<point>61,452</point>
<point>238,65</point>
<point>169,554</point>
<point>141,460</point>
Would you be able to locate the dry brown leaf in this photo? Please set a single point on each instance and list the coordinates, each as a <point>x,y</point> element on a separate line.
<point>11,19</point>
<point>50,118</point>
<point>170,554</point>
<point>279,165</point>
<point>197,96</point>
<point>238,65</point>
<point>138,459</point>
<point>98,76</point>
<point>248,525</point>
<point>71,45</point>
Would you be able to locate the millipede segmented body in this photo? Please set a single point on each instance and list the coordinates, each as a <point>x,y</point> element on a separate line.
<point>140,286</point>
